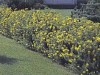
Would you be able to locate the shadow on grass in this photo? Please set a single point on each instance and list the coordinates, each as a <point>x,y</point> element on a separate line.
<point>7,60</point>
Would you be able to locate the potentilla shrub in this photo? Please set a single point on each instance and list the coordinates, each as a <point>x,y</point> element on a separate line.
<point>4,15</point>
<point>64,40</point>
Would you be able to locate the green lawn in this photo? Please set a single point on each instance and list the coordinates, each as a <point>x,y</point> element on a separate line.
<point>16,60</point>
<point>63,12</point>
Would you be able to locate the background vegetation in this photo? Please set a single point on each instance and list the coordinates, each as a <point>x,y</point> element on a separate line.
<point>22,4</point>
<point>91,10</point>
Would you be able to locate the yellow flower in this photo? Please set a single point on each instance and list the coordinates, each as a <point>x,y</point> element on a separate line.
<point>75,20</point>
<point>64,50</point>
<point>87,64</point>
<point>70,60</point>
<point>97,39</point>
<point>81,27</point>
<point>89,52</point>
<point>61,55</point>
<point>56,18</point>
<point>54,54</point>
<point>79,33</point>
<point>69,18</point>
<point>84,72</point>
<point>57,51</point>
<point>49,55</point>
<point>94,59</point>
<point>77,48</point>
<point>70,54</point>
<point>87,70</point>
<point>89,41</point>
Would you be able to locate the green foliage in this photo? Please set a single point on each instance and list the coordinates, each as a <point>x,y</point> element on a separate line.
<point>98,1</point>
<point>22,4</point>
<point>91,10</point>
<point>64,40</point>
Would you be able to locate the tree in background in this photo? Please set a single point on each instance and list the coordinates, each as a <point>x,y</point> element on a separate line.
<point>91,10</point>
<point>21,4</point>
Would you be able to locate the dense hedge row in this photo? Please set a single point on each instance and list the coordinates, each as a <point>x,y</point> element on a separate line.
<point>64,40</point>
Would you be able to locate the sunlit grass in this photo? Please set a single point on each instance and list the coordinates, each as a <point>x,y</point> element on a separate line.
<point>63,12</point>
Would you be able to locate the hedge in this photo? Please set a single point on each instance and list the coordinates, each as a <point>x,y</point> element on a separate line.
<point>64,40</point>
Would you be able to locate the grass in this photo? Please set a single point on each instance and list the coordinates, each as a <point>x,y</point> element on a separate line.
<point>16,60</point>
<point>63,12</point>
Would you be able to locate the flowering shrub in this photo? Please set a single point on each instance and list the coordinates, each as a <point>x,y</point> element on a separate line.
<point>64,40</point>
